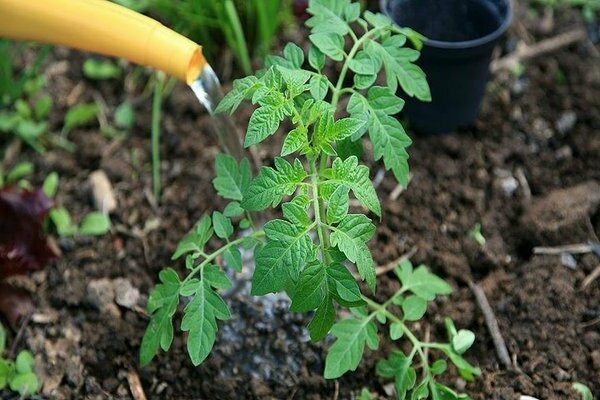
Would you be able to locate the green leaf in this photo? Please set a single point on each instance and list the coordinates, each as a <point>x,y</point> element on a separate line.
<point>50,185</point>
<point>396,331</point>
<point>316,58</point>
<point>387,134</point>
<point>309,293</point>
<point>319,87</point>
<point>328,132</point>
<point>421,282</point>
<point>5,371</point>
<point>20,171</point>
<point>24,362</point>
<point>331,44</point>
<point>2,339</point>
<point>269,187</point>
<point>42,107</point>
<point>233,209</point>
<point>322,321</point>
<point>222,225</point>
<point>352,12</point>
<point>364,81</point>
<point>328,16</point>
<point>242,89</point>
<point>397,366</point>
<point>377,20</point>
<point>346,352</point>
<point>200,320</point>
<point>296,214</point>
<point>263,123</point>
<point>125,115</point>
<point>295,140</point>
<point>281,259</point>
<point>95,224</point>
<point>439,367</point>
<point>233,258</point>
<point>350,236</point>
<point>100,69</point>
<point>337,208</point>
<point>466,370</point>
<point>413,308</point>
<point>26,384</point>
<point>215,277</point>
<point>399,67</point>
<point>584,391</point>
<point>80,114</point>
<point>232,179</point>
<point>463,340</point>
<point>364,64</point>
<point>356,177</point>
<point>162,305</point>
<point>342,285</point>
<point>62,220</point>
<point>194,241</point>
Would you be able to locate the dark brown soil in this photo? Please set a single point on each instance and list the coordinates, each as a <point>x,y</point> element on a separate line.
<point>481,175</point>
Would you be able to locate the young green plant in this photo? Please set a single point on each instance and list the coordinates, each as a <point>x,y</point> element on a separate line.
<point>307,253</point>
<point>17,375</point>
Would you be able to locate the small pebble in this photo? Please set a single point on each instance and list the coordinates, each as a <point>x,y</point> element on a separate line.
<point>509,185</point>
<point>100,293</point>
<point>566,122</point>
<point>125,294</point>
<point>102,192</point>
<point>568,260</point>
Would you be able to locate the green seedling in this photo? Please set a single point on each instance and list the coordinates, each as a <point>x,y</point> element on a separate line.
<point>476,235</point>
<point>584,391</point>
<point>589,8</point>
<point>101,69</point>
<point>17,375</point>
<point>310,251</point>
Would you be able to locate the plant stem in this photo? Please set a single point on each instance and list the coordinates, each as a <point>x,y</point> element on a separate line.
<point>155,135</point>
<point>220,251</point>
<point>319,212</point>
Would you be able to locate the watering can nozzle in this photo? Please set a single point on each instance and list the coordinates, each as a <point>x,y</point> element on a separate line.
<point>103,27</point>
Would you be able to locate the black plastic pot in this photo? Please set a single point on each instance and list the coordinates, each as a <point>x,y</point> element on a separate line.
<point>456,56</point>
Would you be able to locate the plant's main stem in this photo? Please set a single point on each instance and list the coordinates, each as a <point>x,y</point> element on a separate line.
<point>319,212</point>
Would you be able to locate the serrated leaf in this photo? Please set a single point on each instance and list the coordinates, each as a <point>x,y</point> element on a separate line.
<point>269,187</point>
<point>399,67</point>
<point>233,209</point>
<point>316,58</point>
<point>233,258</point>
<point>350,236</point>
<point>352,12</point>
<point>296,214</point>
<point>364,64</point>
<point>346,352</point>
<point>328,16</point>
<point>231,179</point>
<point>215,277</point>
<point>222,225</point>
<point>463,340</point>
<point>309,293</point>
<point>194,241</point>
<point>421,282</point>
<point>295,140</point>
<point>319,87</point>
<point>413,308</point>
<point>331,44</point>
<point>281,259</point>
<point>200,320</point>
<point>337,207</point>
<point>322,321</point>
<point>242,89</point>
<point>398,366</point>
<point>263,123</point>
<point>356,177</point>
<point>377,20</point>
<point>294,54</point>
<point>343,286</point>
<point>162,305</point>
<point>364,81</point>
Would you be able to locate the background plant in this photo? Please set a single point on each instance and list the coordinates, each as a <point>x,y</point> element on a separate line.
<point>17,375</point>
<point>307,252</point>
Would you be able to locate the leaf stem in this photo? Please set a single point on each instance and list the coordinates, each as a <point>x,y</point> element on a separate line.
<point>220,251</point>
<point>323,238</point>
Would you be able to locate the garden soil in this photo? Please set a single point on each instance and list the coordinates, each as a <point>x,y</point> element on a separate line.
<point>528,172</point>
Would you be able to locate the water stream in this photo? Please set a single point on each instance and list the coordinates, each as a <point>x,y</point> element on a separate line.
<point>207,89</point>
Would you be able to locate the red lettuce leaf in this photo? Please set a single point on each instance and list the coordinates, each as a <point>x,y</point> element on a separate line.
<point>24,246</point>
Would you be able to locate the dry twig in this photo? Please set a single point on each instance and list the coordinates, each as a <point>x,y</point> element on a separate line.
<point>535,50</point>
<point>595,274</point>
<point>581,248</point>
<point>492,324</point>
<point>135,386</point>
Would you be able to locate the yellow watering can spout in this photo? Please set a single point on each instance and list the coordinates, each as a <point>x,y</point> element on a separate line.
<point>102,27</point>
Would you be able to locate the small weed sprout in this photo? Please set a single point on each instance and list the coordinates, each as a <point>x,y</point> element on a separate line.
<point>17,375</point>
<point>313,191</point>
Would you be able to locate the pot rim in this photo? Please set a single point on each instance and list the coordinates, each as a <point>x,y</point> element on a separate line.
<point>465,44</point>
